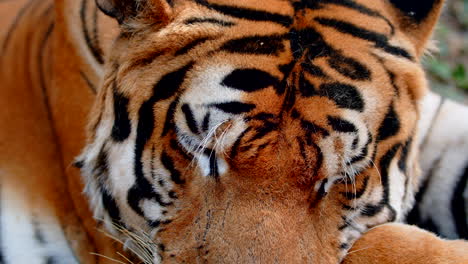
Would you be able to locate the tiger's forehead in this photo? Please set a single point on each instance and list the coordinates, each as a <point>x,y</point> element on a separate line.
<point>292,30</point>
<point>332,49</point>
<point>365,20</point>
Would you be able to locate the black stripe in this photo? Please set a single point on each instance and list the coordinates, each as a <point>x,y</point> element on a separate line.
<point>40,56</point>
<point>341,125</point>
<point>390,125</point>
<point>15,23</point>
<point>355,143</point>
<point>2,259</point>
<point>290,96</point>
<point>247,13</point>
<point>364,151</point>
<point>344,95</point>
<point>313,69</point>
<point>214,170</point>
<point>429,225</point>
<point>78,164</point>
<point>306,88</point>
<point>168,86</point>
<point>264,45</point>
<point>191,45</point>
<point>154,223</point>
<point>234,107</point>
<point>416,10</point>
<point>95,50</point>
<point>414,216</point>
<point>310,41</point>
<point>206,122</point>
<point>364,10</point>
<point>349,67</point>
<point>122,126</point>
<point>262,116</point>
<point>263,130</point>
<point>317,160</point>
<point>286,69</point>
<point>88,82</point>
<point>96,12</point>
<point>110,205</point>
<point>301,144</point>
<point>249,80</point>
<point>390,74</point>
<point>176,146</point>
<point>371,210</point>
<point>52,260</point>
<point>168,163</point>
<point>101,173</point>
<point>191,122</point>
<point>215,21</point>
<point>40,61</point>
<point>458,205</point>
<point>357,193</point>
<point>320,193</point>
<point>312,128</point>
<point>344,246</point>
<point>170,83</point>
<point>148,59</point>
<point>37,232</point>
<point>392,77</point>
<point>172,195</point>
<point>380,41</point>
<point>235,147</point>
<point>402,162</point>
<point>169,122</point>
<point>346,223</point>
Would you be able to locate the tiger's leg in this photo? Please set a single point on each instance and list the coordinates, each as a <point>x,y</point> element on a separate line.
<point>405,244</point>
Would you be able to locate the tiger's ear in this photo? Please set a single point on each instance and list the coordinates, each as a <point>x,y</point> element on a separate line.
<point>126,10</point>
<point>417,19</point>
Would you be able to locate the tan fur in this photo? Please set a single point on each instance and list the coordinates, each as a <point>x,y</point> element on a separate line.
<point>262,211</point>
<point>405,244</point>
<point>44,110</point>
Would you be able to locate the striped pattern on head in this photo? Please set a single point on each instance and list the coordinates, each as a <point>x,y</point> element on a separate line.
<point>242,131</point>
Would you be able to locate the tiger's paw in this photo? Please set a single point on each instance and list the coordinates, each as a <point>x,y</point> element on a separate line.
<point>405,244</point>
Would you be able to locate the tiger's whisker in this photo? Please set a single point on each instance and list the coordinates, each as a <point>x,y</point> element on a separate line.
<point>106,257</point>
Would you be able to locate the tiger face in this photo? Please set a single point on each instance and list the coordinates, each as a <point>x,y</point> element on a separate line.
<point>256,131</point>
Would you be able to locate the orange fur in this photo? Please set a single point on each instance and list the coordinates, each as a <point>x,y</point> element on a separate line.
<point>405,244</point>
<point>266,208</point>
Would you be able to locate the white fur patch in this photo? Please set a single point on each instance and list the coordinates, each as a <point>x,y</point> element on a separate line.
<point>29,234</point>
<point>223,128</point>
<point>397,188</point>
<point>444,157</point>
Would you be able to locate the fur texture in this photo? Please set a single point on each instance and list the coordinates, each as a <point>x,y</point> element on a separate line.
<point>220,132</point>
<point>389,244</point>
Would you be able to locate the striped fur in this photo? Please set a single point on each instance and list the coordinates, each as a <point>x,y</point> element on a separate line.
<point>442,200</point>
<point>209,116</point>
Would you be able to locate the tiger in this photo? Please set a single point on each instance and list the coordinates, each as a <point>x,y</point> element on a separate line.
<point>222,131</point>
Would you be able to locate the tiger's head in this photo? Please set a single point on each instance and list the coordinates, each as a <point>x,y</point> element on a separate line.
<point>257,131</point>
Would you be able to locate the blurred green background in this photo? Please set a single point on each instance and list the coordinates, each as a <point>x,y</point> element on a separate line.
<point>448,68</point>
